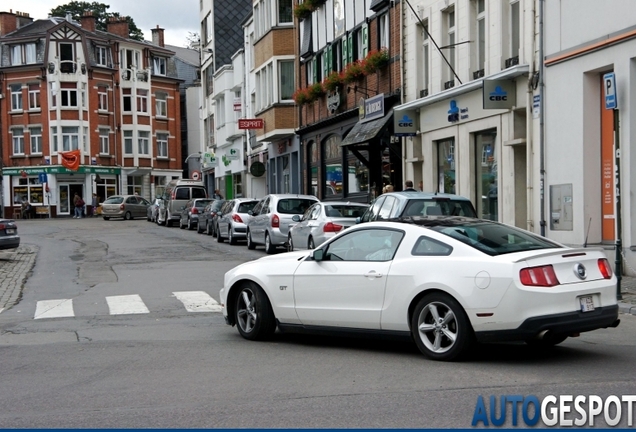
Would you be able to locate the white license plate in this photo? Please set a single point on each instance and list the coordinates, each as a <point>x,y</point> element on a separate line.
<point>10,231</point>
<point>587,303</point>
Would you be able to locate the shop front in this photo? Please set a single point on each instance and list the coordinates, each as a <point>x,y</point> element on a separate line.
<point>284,166</point>
<point>230,170</point>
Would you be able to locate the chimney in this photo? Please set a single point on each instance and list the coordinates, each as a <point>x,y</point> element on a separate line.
<point>118,26</point>
<point>157,36</point>
<point>69,16</point>
<point>23,19</point>
<point>88,21</point>
<point>8,22</point>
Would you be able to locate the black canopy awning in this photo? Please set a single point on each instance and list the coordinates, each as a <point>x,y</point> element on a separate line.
<point>363,132</point>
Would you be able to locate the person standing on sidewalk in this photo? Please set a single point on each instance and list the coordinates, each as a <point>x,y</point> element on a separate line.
<point>78,203</point>
<point>94,205</point>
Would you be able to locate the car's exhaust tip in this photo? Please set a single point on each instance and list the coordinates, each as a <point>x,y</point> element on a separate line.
<point>615,323</point>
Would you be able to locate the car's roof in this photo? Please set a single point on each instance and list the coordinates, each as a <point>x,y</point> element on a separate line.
<point>242,199</point>
<point>344,203</point>
<point>426,195</point>
<point>292,196</point>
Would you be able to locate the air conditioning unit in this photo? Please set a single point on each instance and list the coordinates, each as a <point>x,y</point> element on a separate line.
<point>449,84</point>
<point>512,61</point>
<point>423,93</point>
<point>478,74</point>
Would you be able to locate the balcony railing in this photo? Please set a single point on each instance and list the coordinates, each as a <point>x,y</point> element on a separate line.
<point>423,93</point>
<point>449,84</point>
<point>478,74</point>
<point>512,61</point>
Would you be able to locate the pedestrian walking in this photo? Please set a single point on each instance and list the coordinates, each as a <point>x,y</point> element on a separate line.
<point>78,203</point>
<point>94,204</point>
<point>409,186</point>
<point>217,194</point>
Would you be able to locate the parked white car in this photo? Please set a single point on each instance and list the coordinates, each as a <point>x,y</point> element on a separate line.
<point>445,281</point>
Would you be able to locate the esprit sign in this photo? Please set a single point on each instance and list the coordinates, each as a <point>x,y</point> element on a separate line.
<point>251,123</point>
<point>499,94</point>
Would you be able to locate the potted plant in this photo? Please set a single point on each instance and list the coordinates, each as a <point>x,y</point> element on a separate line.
<point>333,81</point>
<point>315,91</point>
<point>301,96</point>
<point>354,71</point>
<point>376,59</point>
<point>303,10</point>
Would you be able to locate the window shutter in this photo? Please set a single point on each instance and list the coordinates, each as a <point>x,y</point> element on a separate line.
<point>345,51</point>
<point>350,47</point>
<point>329,60</point>
<point>315,66</point>
<point>325,62</point>
<point>365,40</point>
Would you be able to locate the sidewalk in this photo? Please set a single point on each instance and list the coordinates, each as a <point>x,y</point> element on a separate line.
<point>628,291</point>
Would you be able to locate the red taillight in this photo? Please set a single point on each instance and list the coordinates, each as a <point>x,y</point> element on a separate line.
<point>275,221</point>
<point>174,194</point>
<point>605,268</point>
<point>331,227</point>
<point>2,226</point>
<point>121,207</point>
<point>237,218</point>
<point>542,276</point>
<point>195,210</point>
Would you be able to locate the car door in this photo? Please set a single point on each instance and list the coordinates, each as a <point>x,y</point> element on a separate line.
<point>223,218</point>
<point>260,222</point>
<point>302,232</point>
<point>141,207</point>
<point>346,289</point>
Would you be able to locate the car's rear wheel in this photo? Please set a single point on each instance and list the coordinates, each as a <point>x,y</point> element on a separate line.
<point>190,226</point>
<point>106,218</point>
<point>250,243</point>
<point>269,247</point>
<point>290,243</point>
<point>310,244</point>
<point>254,316</point>
<point>199,227</point>
<point>168,221</point>
<point>208,231</point>
<point>219,237</point>
<point>230,238</point>
<point>127,216</point>
<point>441,328</point>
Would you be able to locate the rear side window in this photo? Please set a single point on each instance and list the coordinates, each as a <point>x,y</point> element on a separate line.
<point>216,205</point>
<point>202,203</point>
<point>344,211</point>
<point>199,193</point>
<point>182,193</point>
<point>114,200</point>
<point>244,207</point>
<point>294,205</point>
<point>426,246</point>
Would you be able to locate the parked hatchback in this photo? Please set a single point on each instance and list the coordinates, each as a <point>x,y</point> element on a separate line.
<point>191,211</point>
<point>9,238</point>
<point>272,218</point>
<point>231,222</point>
<point>125,206</point>
<point>207,218</point>
<point>400,204</point>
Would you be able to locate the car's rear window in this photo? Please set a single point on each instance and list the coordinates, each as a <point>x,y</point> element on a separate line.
<point>202,203</point>
<point>216,205</point>
<point>294,205</point>
<point>114,200</point>
<point>494,238</point>
<point>439,207</point>
<point>347,211</point>
<point>199,193</point>
<point>244,207</point>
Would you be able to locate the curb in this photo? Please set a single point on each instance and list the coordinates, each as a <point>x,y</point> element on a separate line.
<point>626,308</point>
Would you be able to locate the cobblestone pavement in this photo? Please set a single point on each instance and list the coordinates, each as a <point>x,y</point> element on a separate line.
<point>15,267</point>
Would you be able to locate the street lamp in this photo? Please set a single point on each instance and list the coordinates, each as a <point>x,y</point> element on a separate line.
<point>196,155</point>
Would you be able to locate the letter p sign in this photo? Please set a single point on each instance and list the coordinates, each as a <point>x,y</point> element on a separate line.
<point>609,89</point>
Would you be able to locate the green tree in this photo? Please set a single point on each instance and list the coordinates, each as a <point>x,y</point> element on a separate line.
<point>100,12</point>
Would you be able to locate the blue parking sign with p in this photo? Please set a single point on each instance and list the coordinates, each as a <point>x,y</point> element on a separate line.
<point>609,90</point>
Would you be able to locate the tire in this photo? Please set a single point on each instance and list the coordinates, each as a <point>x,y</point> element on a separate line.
<point>254,317</point>
<point>310,244</point>
<point>189,225</point>
<point>106,218</point>
<point>127,216</point>
<point>168,221</point>
<point>269,247</point>
<point>547,342</point>
<point>148,218</point>
<point>230,238</point>
<point>199,229</point>
<point>208,231</point>
<point>290,243</point>
<point>159,222</point>
<point>181,226</point>
<point>219,237</point>
<point>250,243</point>
<point>440,328</point>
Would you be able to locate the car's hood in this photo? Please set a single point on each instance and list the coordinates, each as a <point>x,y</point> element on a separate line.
<point>286,256</point>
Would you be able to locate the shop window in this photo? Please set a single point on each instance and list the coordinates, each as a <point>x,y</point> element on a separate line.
<point>28,189</point>
<point>486,182</point>
<point>313,157</point>
<point>357,174</point>
<point>446,166</point>
<point>105,187</point>
<point>333,166</point>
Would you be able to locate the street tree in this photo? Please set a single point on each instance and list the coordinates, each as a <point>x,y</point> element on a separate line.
<point>100,12</point>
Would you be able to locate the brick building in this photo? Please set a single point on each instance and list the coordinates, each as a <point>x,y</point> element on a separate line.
<point>68,86</point>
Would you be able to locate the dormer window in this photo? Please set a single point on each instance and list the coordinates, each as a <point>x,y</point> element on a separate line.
<point>22,54</point>
<point>159,65</point>
<point>101,56</point>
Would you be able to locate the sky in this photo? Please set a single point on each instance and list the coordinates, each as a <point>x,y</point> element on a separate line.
<point>176,17</point>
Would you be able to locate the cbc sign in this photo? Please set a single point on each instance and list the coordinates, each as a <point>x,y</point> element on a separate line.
<point>499,94</point>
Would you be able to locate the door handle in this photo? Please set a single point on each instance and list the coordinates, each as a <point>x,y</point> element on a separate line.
<point>372,274</point>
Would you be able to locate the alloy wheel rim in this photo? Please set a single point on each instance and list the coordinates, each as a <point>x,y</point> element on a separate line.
<point>437,327</point>
<point>246,311</point>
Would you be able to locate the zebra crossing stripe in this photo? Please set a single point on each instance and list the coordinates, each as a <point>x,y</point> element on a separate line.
<point>197,301</point>
<point>126,304</point>
<point>1,309</point>
<point>54,309</point>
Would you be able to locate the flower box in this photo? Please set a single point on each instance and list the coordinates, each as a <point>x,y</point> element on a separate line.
<point>375,60</point>
<point>333,81</point>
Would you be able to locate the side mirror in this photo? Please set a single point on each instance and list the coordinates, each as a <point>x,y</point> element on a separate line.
<point>358,220</point>
<point>296,218</point>
<point>318,254</point>
<point>249,212</point>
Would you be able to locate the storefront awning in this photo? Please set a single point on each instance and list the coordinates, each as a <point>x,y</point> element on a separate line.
<point>363,132</point>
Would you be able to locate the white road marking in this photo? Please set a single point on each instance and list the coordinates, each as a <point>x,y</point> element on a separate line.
<point>198,301</point>
<point>126,304</point>
<point>54,309</point>
<point>1,309</point>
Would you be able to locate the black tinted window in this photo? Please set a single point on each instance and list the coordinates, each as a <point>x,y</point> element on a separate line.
<point>244,207</point>
<point>294,205</point>
<point>199,193</point>
<point>428,247</point>
<point>202,203</point>
<point>183,193</point>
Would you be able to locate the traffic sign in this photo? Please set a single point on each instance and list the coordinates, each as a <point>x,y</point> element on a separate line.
<point>42,177</point>
<point>195,175</point>
<point>609,90</point>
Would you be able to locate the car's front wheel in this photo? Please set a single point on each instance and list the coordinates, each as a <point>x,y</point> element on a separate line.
<point>310,244</point>
<point>290,243</point>
<point>106,218</point>
<point>441,328</point>
<point>190,226</point>
<point>199,227</point>
<point>250,243</point>
<point>254,316</point>
<point>208,231</point>
<point>269,247</point>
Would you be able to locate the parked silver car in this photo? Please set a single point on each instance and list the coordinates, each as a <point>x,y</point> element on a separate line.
<point>272,217</point>
<point>322,221</point>
<point>125,206</point>
<point>153,210</point>
<point>191,211</point>
<point>231,222</point>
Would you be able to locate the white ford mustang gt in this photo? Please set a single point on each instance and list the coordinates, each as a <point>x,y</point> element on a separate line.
<point>444,281</point>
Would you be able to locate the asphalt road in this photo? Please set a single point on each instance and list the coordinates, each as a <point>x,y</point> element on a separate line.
<point>167,367</point>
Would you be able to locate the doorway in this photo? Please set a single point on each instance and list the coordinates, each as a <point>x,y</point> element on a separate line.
<point>66,193</point>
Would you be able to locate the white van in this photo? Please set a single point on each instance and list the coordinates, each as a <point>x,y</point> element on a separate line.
<point>175,196</point>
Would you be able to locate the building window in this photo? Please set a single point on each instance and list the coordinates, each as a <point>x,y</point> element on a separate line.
<point>85,143</point>
<point>209,80</point>
<point>127,95</point>
<point>446,166</point>
<point>449,23</point>
<point>102,99</point>
<point>70,138</point>
<point>36,139</point>
<point>23,54</point>
<point>313,157</point>
<point>285,12</point>
<point>159,65</point>
<point>142,101</point>
<point>310,69</point>
<point>18,141</point>
<point>101,56</point>
<point>143,142</point>
<point>34,96</point>
<point>128,142</point>
<point>480,36</point>
<point>161,104</point>
<point>67,58</point>
<point>220,111</point>
<point>16,97</point>
<point>486,175</point>
<point>514,29</point>
<point>362,42</point>
<point>128,59</point>
<point>104,141</point>
<point>29,189</point>
<point>286,79</point>
<point>134,185</point>
<point>333,165</point>
<point>16,55</point>
<point>424,76</point>
<point>358,173</point>
<point>54,138</point>
<point>384,31</point>
<point>68,95</point>
<point>162,145</point>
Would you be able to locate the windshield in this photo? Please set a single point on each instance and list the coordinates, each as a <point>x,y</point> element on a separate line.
<point>114,200</point>
<point>294,205</point>
<point>494,238</point>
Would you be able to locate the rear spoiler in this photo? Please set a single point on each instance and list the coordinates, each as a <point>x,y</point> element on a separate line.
<point>564,253</point>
